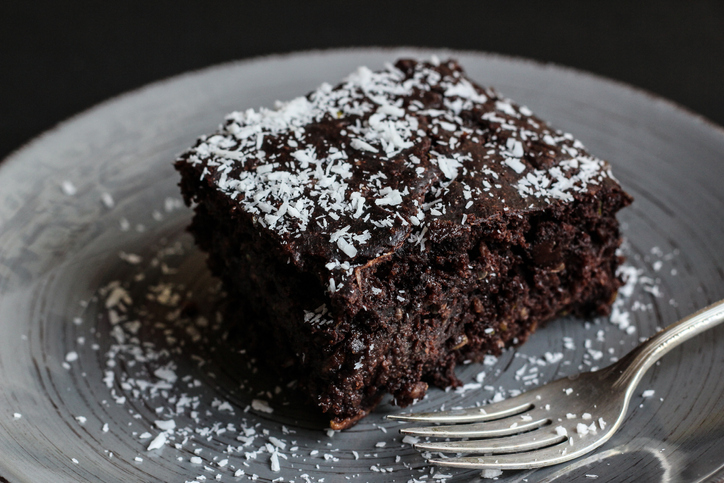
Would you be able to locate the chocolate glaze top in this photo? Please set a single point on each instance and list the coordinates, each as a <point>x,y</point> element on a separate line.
<point>350,173</point>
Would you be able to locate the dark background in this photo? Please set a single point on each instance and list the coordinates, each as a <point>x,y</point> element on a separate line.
<point>59,58</point>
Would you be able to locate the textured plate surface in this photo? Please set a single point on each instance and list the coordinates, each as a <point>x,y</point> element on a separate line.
<point>67,368</point>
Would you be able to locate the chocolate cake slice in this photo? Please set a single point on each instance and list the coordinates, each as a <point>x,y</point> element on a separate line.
<point>374,234</point>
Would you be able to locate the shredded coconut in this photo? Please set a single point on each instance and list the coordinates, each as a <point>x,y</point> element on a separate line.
<point>268,162</point>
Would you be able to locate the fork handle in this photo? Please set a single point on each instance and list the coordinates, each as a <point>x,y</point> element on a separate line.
<point>635,364</point>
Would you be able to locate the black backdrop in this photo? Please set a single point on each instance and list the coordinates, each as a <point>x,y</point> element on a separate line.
<point>58,58</point>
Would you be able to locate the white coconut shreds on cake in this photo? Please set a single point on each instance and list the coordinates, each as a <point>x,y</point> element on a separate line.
<point>271,162</point>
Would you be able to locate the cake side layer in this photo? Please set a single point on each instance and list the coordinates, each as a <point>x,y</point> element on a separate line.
<point>418,313</point>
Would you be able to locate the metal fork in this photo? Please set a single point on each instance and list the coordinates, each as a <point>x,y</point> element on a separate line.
<point>556,422</point>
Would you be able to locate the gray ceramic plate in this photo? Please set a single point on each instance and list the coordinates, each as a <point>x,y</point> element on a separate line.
<point>91,228</point>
